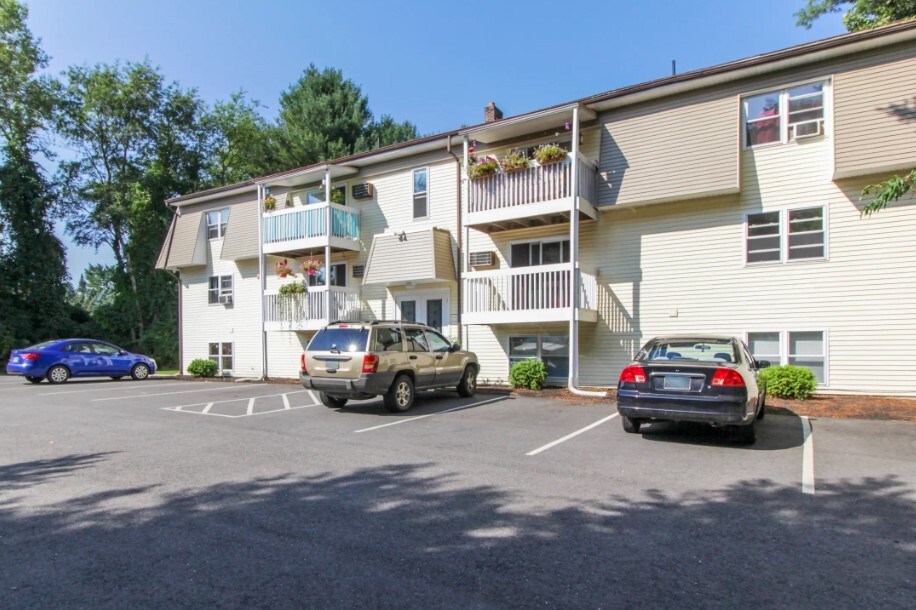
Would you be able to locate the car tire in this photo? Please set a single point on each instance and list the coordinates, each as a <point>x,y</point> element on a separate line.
<point>331,402</point>
<point>35,379</point>
<point>747,435</point>
<point>467,387</point>
<point>117,377</point>
<point>140,372</point>
<point>400,396</point>
<point>763,407</point>
<point>630,424</point>
<point>58,374</point>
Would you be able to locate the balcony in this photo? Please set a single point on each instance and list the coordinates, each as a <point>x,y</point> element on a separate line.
<point>527,294</point>
<point>304,230</point>
<point>531,197</point>
<point>306,311</point>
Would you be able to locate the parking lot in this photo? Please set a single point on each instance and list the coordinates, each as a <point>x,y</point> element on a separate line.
<point>180,493</point>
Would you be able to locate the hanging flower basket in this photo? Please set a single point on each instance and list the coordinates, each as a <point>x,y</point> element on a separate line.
<point>270,203</point>
<point>550,153</point>
<point>283,269</point>
<point>310,266</point>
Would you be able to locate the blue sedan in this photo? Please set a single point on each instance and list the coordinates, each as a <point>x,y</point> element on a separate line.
<point>58,361</point>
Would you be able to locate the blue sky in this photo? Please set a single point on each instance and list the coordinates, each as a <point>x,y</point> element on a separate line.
<point>436,64</point>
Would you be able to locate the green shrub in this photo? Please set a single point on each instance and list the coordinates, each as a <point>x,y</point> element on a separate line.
<point>202,368</point>
<point>789,381</point>
<point>528,374</point>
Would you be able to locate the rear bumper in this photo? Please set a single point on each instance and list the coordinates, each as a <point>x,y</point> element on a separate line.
<point>26,369</point>
<point>363,387</point>
<point>710,410</point>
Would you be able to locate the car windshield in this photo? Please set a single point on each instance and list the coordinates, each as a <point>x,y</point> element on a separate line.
<point>42,345</point>
<point>340,340</point>
<point>693,350</point>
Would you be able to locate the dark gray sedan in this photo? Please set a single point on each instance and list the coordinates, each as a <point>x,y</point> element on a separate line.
<point>702,378</point>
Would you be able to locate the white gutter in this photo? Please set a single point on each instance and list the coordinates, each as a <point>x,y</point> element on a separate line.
<point>574,263</point>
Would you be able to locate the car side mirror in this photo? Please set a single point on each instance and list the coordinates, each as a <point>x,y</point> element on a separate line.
<point>122,353</point>
<point>762,364</point>
<point>454,347</point>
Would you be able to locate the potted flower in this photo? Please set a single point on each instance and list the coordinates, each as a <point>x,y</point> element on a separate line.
<point>480,167</point>
<point>270,203</point>
<point>549,153</point>
<point>283,269</point>
<point>515,160</point>
<point>290,305</point>
<point>310,266</point>
<point>293,288</point>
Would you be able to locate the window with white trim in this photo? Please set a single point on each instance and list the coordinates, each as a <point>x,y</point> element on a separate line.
<point>541,252</point>
<point>217,222</point>
<point>553,350</point>
<point>784,115</point>
<point>222,355</point>
<point>338,276</point>
<point>421,193</point>
<point>805,229</point>
<point>806,348</point>
<point>220,286</point>
<point>316,195</point>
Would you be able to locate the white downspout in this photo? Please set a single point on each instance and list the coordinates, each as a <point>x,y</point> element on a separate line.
<point>263,279</point>
<point>327,247</point>
<point>574,263</point>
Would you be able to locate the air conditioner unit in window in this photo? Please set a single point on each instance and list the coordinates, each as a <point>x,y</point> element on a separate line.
<point>808,129</point>
<point>226,300</point>
<point>480,259</point>
<point>362,191</point>
<point>359,271</point>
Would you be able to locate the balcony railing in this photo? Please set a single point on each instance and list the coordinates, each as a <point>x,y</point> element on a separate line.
<point>526,294</point>
<point>306,311</point>
<point>303,223</point>
<point>536,184</point>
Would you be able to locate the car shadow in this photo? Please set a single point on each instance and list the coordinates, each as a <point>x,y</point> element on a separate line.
<point>773,434</point>
<point>426,403</point>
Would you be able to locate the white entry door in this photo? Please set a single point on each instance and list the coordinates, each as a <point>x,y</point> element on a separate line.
<point>428,307</point>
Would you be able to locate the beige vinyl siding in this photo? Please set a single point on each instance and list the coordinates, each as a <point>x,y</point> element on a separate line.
<point>189,240</point>
<point>204,323</point>
<point>418,256</point>
<point>875,110</point>
<point>284,350</point>
<point>241,241</point>
<point>677,149</point>
<point>162,260</point>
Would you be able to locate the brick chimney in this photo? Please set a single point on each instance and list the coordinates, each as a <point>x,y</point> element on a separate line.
<point>491,113</point>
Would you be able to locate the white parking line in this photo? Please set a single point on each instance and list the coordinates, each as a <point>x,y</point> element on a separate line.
<point>408,419</point>
<point>285,402</point>
<point>250,406</point>
<point>207,408</point>
<point>231,387</point>
<point>120,386</point>
<point>180,410</point>
<point>807,457</point>
<point>572,435</point>
<point>197,404</point>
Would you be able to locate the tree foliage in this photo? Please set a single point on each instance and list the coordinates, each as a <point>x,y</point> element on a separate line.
<point>889,191</point>
<point>241,142</point>
<point>860,14</point>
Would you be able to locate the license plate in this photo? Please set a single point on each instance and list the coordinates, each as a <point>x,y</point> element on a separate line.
<point>331,368</point>
<point>677,382</point>
<point>15,359</point>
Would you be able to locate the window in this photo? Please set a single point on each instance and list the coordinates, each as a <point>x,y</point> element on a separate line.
<point>341,339</point>
<point>388,340</point>
<point>806,232</point>
<point>316,195</point>
<point>437,342</point>
<point>788,114</point>
<point>416,340</point>
<point>79,348</point>
<point>217,221</point>
<point>798,348</point>
<point>338,276</point>
<point>527,254</point>
<point>105,350</point>
<point>420,193</point>
<point>409,311</point>
<point>220,286</point>
<point>221,354</point>
<point>553,350</point>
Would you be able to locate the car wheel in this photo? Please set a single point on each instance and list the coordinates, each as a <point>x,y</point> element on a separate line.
<point>763,407</point>
<point>117,377</point>
<point>139,372</point>
<point>58,374</point>
<point>35,379</point>
<point>630,425</point>
<point>331,402</point>
<point>468,385</point>
<point>399,397</point>
<point>747,435</point>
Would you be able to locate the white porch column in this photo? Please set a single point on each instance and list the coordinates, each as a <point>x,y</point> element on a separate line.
<point>574,257</point>
<point>327,246</point>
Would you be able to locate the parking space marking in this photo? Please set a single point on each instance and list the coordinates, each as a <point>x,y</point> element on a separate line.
<point>121,386</point>
<point>409,419</point>
<point>249,409</point>
<point>807,457</point>
<point>207,408</point>
<point>571,435</point>
<point>231,387</point>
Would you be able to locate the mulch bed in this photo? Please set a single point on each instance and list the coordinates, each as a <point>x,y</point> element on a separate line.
<point>824,405</point>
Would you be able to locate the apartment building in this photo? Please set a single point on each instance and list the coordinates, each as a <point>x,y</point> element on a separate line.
<point>722,200</point>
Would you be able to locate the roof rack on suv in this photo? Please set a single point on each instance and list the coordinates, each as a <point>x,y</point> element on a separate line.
<point>374,322</point>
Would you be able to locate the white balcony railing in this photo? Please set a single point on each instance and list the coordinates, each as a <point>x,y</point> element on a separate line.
<point>537,184</point>
<point>528,290</point>
<point>306,310</point>
<point>311,221</point>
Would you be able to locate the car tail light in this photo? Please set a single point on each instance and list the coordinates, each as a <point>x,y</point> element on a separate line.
<point>31,356</point>
<point>370,363</point>
<point>633,374</point>
<point>302,364</point>
<point>727,378</point>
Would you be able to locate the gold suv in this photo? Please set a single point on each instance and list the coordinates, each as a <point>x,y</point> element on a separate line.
<point>392,359</point>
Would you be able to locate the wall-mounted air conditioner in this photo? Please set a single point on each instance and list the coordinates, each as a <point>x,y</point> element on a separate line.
<point>226,300</point>
<point>481,259</point>
<point>359,271</point>
<point>807,129</point>
<point>363,191</point>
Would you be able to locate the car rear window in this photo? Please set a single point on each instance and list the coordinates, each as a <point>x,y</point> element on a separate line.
<point>42,345</point>
<point>692,350</point>
<point>340,339</point>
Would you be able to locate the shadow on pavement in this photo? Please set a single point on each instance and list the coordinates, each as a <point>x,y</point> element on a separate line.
<point>773,434</point>
<point>426,403</point>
